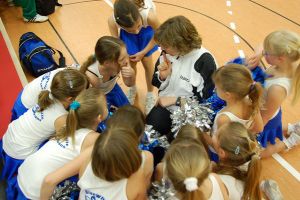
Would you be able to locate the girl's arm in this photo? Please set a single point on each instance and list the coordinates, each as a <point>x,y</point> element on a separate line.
<point>275,97</point>
<point>128,75</point>
<point>70,169</point>
<point>154,23</point>
<point>113,29</point>
<point>148,167</point>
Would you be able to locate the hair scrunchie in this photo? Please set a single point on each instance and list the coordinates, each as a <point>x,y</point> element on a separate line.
<point>74,105</point>
<point>191,184</point>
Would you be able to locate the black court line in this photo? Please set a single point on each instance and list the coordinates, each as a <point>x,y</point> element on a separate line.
<point>275,12</point>
<point>250,46</point>
<point>61,39</point>
<point>213,20</point>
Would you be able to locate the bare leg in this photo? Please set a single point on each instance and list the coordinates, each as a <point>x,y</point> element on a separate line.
<point>149,70</point>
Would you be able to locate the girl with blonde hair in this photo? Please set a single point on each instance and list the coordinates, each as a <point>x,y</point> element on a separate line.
<point>239,166</point>
<point>86,111</point>
<point>25,134</point>
<point>281,50</point>
<point>188,168</point>
<point>102,175</point>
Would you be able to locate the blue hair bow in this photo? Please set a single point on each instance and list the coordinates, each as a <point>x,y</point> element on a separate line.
<point>74,105</point>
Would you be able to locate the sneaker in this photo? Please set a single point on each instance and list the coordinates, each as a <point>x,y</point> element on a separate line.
<point>271,189</point>
<point>150,102</point>
<point>131,95</point>
<point>37,18</point>
<point>292,140</point>
<point>294,128</point>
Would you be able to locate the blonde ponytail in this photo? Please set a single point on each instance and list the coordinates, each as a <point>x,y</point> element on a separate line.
<point>252,190</point>
<point>90,60</point>
<point>44,100</point>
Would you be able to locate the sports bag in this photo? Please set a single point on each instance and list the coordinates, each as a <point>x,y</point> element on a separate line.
<point>36,56</point>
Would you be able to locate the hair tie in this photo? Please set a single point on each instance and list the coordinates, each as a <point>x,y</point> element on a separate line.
<point>50,95</point>
<point>191,184</point>
<point>237,150</point>
<point>74,105</point>
<point>252,86</point>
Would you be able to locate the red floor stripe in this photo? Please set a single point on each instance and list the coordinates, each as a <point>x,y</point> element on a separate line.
<point>10,85</point>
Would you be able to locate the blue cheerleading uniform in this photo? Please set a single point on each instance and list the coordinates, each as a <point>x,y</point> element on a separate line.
<point>273,129</point>
<point>137,42</point>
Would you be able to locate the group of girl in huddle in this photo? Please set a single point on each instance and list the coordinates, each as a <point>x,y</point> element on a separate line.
<point>52,136</point>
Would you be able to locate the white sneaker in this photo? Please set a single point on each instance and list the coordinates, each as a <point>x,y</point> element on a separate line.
<point>294,128</point>
<point>37,18</point>
<point>131,95</point>
<point>271,190</point>
<point>150,102</point>
<point>292,140</point>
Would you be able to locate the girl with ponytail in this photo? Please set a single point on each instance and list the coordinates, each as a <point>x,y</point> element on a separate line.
<point>188,168</point>
<point>239,166</point>
<point>281,50</point>
<point>85,113</point>
<point>234,84</point>
<point>25,134</point>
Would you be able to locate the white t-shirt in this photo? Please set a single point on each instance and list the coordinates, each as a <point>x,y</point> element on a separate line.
<point>32,90</point>
<point>25,134</point>
<point>93,187</point>
<point>234,186</point>
<point>53,155</point>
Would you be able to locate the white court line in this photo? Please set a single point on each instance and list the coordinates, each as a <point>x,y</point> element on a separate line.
<point>109,2</point>
<point>230,12</point>
<point>241,53</point>
<point>287,166</point>
<point>228,3</point>
<point>236,39</point>
<point>232,25</point>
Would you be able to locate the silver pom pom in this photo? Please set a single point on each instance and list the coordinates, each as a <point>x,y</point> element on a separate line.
<point>64,192</point>
<point>191,112</point>
<point>162,191</point>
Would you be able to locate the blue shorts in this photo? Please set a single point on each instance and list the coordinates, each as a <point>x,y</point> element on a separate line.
<point>272,130</point>
<point>117,98</point>
<point>13,190</point>
<point>137,42</point>
<point>18,109</point>
<point>11,165</point>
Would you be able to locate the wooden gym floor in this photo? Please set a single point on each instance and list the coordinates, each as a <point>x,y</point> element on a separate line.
<point>228,28</point>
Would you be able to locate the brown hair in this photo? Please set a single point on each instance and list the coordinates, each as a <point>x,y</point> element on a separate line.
<point>286,43</point>
<point>130,117</point>
<point>139,3</point>
<point>116,155</point>
<point>236,141</point>
<point>126,13</point>
<point>237,79</point>
<point>191,132</point>
<point>187,159</point>
<point>178,32</point>
<point>92,104</point>
<point>107,48</point>
<point>66,83</point>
